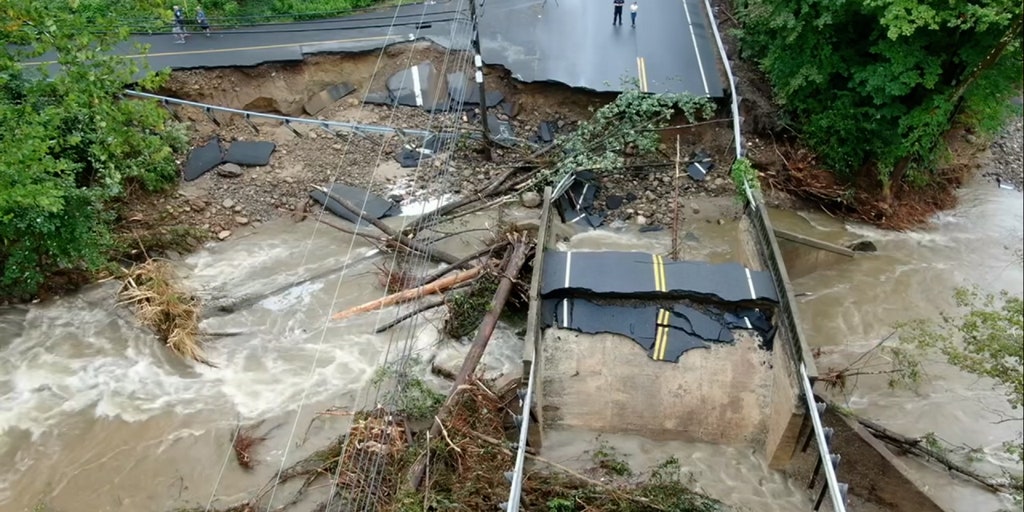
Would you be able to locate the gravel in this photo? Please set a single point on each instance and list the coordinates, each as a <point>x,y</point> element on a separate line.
<point>1006,156</point>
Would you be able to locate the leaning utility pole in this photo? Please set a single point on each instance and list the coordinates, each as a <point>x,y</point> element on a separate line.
<point>479,62</point>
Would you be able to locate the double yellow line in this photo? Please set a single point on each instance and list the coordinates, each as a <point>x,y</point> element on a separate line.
<point>641,70</point>
<point>662,324</point>
<point>660,335</point>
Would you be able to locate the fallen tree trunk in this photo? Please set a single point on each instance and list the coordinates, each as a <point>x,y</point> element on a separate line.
<point>426,307</point>
<point>429,278</point>
<point>918,446</point>
<point>520,251</point>
<point>397,237</point>
<point>411,294</point>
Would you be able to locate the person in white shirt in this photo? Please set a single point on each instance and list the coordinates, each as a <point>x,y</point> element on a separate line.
<point>632,13</point>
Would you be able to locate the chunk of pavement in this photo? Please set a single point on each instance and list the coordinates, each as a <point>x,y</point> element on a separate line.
<point>413,87</point>
<point>229,170</point>
<point>465,92</point>
<point>651,229</point>
<point>251,153</point>
<point>700,324</point>
<point>700,165</point>
<point>373,206</point>
<point>203,158</point>
<point>377,98</point>
<point>327,97</point>
<point>576,204</point>
<point>501,131</point>
<point>546,131</point>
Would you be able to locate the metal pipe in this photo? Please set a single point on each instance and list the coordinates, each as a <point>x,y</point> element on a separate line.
<point>830,473</point>
<point>284,119</point>
<point>516,492</point>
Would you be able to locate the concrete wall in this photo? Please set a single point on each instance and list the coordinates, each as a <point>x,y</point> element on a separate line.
<point>802,260</point>
<point>607,383</point>
<point>878,479</point>
<point>787,418</point>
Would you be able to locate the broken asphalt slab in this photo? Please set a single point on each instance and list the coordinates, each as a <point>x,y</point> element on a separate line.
<point>659,331</point>
<point>373,206</point>
<point>250,153</point>
<point>463,91</point>
<point>203,158</point>
<point>327,97</point>
<point>643,275</point>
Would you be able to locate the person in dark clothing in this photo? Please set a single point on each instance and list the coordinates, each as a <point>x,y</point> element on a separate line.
<point>204,24</point>
<point>617,16</point>
<point>179,25</point>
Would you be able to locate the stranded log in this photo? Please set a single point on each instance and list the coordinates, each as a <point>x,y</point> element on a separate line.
<point>520,250</point>
<point>406,295</point>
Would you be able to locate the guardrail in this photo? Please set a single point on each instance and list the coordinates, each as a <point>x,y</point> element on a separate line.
<point>532,359</point>
<point>288,121</point>
<point>789,325</point>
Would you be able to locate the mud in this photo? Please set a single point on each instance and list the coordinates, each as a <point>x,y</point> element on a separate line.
<point>217,204</point>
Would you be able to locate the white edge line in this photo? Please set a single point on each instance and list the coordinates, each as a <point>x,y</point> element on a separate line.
<point>696,51</point>
<point>568,268</point>
<point>416,85</point>
<point>750,283</point>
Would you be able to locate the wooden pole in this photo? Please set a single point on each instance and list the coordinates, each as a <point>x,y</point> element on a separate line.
<point>520,250</point>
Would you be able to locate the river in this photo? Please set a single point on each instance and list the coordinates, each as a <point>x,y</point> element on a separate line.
<point>96,416</point>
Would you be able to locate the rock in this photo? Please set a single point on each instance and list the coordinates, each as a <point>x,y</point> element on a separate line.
<point>530,199</point>
<point>197,204</point>
<point>228,203</point>
<point>229,170</point>
<point>241,220</point>
<point>721,222</point>
<point>223,235</point>
<point>641,220</point>
<point>863,246</point>
<point>696,210</point>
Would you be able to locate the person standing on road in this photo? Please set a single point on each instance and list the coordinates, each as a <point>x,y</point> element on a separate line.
<point>617,15</point>
<point>632,13</point>
<point>204,24</point>
<point>179,25</point>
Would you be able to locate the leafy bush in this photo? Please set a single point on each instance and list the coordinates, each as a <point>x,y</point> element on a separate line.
<point>877,83</point>
<point>69,145</point>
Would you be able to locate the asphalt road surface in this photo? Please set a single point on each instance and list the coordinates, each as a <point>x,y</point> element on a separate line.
<point>573,42</point>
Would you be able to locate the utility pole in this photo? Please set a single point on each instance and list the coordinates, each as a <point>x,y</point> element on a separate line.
<point>479,62</point>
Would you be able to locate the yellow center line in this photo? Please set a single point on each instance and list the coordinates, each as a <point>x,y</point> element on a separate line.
<point>657,274</point>
<point>661,272</point>
<point>234,49</point>
<point>661,338</point>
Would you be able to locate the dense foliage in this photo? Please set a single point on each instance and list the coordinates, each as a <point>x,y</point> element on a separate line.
<point>69,145</point>
<point>875,84</point>
<point>154,14</point>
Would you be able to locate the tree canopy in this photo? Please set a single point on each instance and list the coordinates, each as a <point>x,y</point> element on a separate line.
<point>69,143</point>
<point>875,84</point>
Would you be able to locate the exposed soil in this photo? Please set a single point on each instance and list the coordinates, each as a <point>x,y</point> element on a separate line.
<point>216,203</point>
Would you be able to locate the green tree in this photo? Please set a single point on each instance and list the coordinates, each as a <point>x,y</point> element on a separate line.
<point>70,145</point>
<point>875,84</point>
<point>987,340</point>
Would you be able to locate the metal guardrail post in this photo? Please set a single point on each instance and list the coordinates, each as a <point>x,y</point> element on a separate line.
<point>836,490</point>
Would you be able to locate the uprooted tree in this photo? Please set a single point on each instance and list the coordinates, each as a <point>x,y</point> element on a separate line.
<point>69,145</point>
<point>876,84</point>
